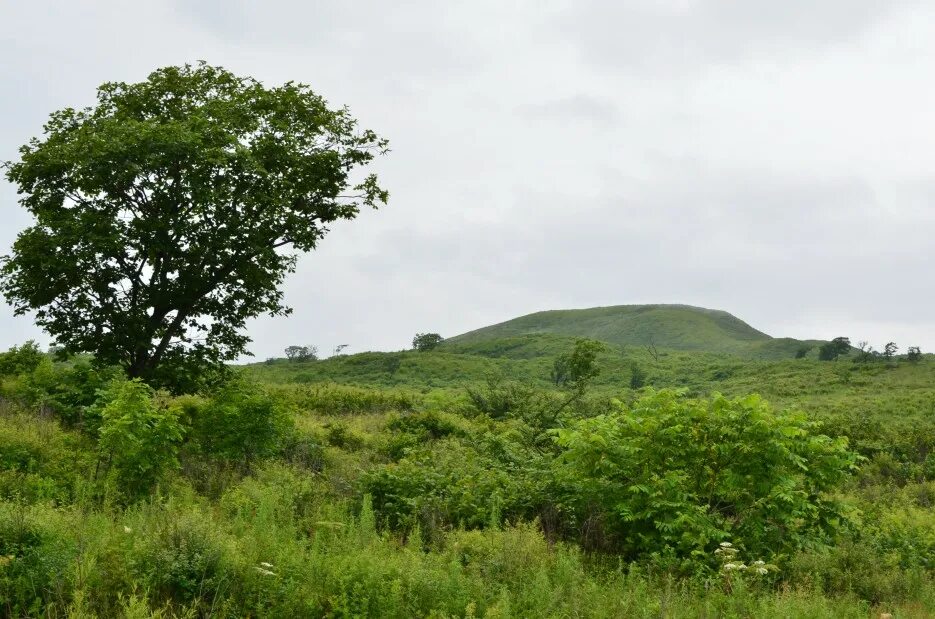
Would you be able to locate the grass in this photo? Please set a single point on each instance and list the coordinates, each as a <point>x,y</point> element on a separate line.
<point>303,532</point>
<point>677,327</point>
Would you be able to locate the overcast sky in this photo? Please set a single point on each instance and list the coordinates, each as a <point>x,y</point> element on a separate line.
<point>772,159</point>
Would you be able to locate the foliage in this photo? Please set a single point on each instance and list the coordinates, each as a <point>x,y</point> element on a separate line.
<point>139,438</point>
<point>426,341</point>
<point>302,353</point>
<point>914,354</point>
<point>637,377</point>
<point>20,359</point>
<point>674,476</point>
<point>161,214</point>
<point>238,423</point>
<point>802,351</point>
<point>834,349</point>
<point>469,514</point>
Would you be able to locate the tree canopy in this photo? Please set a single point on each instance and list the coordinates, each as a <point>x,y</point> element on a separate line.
<point>171,211</point>
<point>426,341</point>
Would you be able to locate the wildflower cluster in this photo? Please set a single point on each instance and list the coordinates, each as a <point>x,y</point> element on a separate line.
<point>727,555</point>
<point>265,569</point>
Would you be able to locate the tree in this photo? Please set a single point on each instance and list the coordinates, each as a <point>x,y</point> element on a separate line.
<point>834,349</point>
<point>802,351</point>
<point>170,213</point>
<point>302,353</point>
<point>865,353</point>
<point>890,350</point>
<point>426,341</point>
<point>574,371</point>
<point>637,377</point>
<point>914,354</point>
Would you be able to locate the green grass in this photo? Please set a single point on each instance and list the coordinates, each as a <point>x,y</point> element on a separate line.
<point>678,327</point>
<point>200,544</point>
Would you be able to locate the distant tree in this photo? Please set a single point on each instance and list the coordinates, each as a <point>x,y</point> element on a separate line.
<point>426,341</point>
<point>914,355</point>
<point>834,349</point>
<point>865,353</point>
<point>339,349</point>
<point>651,348</point>
<point>890,350</point>
<point>302,353</point>
<point>637,377</point>
<point>803,351</point>
<point>170,213</point>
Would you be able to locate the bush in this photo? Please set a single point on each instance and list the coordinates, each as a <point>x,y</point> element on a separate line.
<point>238,424</point>
<point>673,477</point>
<point>20,359</point>
<point>139,438</point>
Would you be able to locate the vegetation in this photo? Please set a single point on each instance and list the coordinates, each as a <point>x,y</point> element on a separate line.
<point>426,341</point>
<point>161,215</point>
<point>302,353</point>
<point>674,327</point>
<point>834,349</point>
<point>267,495</point>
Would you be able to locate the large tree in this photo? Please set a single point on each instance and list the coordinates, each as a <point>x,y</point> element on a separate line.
<point>171,211</point>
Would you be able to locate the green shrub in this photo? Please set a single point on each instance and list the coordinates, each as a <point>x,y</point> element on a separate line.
<point>20,359</point>
<point>673,477</point>
<point>239,423</point>
<point>139,439</point>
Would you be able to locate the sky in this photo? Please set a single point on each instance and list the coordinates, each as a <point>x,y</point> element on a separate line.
<point>771,159</point>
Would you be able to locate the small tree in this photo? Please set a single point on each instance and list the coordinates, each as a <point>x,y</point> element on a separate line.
<point>802,351</point>
<point>301,353</point>
<point>890,350</point>
<point>574,371</point>
<point>637,377</point>
<point>21,359</point>
<point>834,349</point>
<point>426,341</point>
<point>914,355</point>
<point>139,439</point>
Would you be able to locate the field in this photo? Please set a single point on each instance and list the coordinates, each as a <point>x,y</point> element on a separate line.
<point>468,482</point>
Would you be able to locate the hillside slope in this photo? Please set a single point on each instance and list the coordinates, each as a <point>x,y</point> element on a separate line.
<point>676,327</point>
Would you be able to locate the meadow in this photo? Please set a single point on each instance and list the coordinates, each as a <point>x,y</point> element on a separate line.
<point>444,484</point>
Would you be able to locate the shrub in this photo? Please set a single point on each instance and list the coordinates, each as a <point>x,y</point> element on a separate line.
<point>138,439</point>
<point>675,476</point>
<point>20,359</point>
<point>238,424</point>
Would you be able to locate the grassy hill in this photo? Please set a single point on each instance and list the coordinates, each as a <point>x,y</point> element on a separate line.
<point>675,327</point>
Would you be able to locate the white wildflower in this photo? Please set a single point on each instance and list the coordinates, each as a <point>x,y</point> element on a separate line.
<point>761,571</point>
<point>726,545</point>
<point>264,571</point>
<point>127,529</point>
<point>266,565</point>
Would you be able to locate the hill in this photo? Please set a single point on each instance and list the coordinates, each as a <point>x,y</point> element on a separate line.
<point>675,327</point>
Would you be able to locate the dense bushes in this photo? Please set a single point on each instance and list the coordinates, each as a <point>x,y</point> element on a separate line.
<point>333,500</point>
<point>672,477</point>
<point>669,478</point>
<point>237,423</point>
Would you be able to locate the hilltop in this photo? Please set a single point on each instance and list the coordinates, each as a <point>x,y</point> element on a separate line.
<point>674,327</point>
